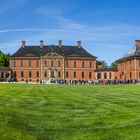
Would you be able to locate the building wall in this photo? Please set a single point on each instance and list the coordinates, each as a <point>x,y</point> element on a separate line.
<point>129,69</point>
<point>45,70</point>
<point>107,75</point>
<point>5,73</point>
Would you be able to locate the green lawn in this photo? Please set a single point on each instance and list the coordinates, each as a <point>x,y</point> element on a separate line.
<point>57,112</point>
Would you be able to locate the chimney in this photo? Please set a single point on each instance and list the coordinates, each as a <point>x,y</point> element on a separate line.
<point>41,43</point>
<point>60,43</point>
<point>79,44</point>
<point>137,43</point>
<point>23,44</point>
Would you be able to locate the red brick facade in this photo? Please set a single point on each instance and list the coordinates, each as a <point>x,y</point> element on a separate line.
<point>53,66</point>
<point>129,65</point>
<point>129,69</point>
<point>70,63</point>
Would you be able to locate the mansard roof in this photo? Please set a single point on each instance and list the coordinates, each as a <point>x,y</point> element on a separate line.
<point>133,53</point>
<point>37,51</point>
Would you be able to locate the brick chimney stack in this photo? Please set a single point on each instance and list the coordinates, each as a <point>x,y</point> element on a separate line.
<point>79,44</point>
<point>41,43</point>
<point>60,43</point>
<point>137,43</point>
<point>23,44</point>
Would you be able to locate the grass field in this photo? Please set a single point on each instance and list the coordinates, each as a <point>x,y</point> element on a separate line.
<point>56,112</point>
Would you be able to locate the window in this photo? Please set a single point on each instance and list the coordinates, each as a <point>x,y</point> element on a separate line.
<point>90,64</point>
<point>37,74</point>
<point>75,63</point>
<point>90,74</point>
<point>67,63</point>
<point>59,74</point>
<point>83,75</point>
<point>30,74</point>
<point>99,75</point>
<point>30,63</point>
<point>67,74</point>
<point>22,74</point>
<point>14,74</point>
<point>83,64</point>
<point>52,74</point>
<point>59,63</point>
<point>37,63</point>
<point>125,66</point>
<point>52,63</point>
<point>45,74</point>
<point>121,67</point>
<point>21,63</point>
<point>130,65</point>
<point>130,75</point>
<point>110,75</point>
<point>105,75</point>
<point>74,75</point>
<point>2,75</point>
<point>120,76</point>
<point>14,63</point>
<point>45,63</point>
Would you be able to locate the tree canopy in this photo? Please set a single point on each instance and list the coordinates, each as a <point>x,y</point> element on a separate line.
<point>4,60</point>
<point>104,64</point>
<point>114,65</point>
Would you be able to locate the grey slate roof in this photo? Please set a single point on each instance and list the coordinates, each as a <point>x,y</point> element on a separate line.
<point>134,52</point>
<point>36,51</point>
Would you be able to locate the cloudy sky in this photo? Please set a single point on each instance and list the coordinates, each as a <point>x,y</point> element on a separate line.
<point>107,28</point>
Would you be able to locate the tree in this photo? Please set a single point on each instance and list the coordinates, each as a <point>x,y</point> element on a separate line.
<point>104,64</point>
<point>4,60</point>
<point>114,65</point>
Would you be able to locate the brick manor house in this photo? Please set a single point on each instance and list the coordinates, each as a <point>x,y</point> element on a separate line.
<point>129,64</point>
<point>45,62</point>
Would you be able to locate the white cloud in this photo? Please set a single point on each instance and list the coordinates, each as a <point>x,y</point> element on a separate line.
<point>108,40</point>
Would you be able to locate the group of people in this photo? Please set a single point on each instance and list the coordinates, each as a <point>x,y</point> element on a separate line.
<point>82,82</point>
<point>91,82</point>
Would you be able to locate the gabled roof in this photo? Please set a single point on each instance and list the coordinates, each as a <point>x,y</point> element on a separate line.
<point>134,52</point>
<point>37,51</point>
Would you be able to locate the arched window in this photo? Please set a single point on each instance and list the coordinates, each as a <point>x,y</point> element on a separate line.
<point>59,74</point>
<point>110,75</point>
<point>105,75</point>
<point>14,75</point>
<point>45,74</point>
<point>99,75</point>
<point>130,75</point>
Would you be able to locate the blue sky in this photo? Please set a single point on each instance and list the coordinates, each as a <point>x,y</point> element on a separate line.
<point>107,28</point>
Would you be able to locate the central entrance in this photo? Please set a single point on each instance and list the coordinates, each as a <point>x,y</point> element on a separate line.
<point>52,74</point>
